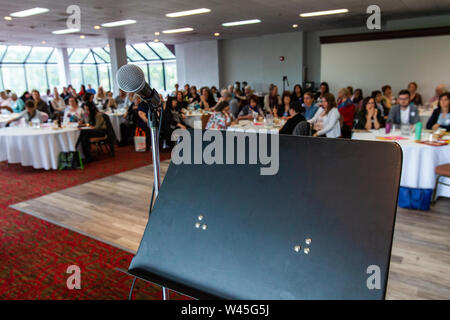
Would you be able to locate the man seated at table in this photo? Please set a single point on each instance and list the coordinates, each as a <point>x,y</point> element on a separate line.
<point>295,118</point>
<point>249,110</point>
<point>30,113</point>
<point>404,112</point>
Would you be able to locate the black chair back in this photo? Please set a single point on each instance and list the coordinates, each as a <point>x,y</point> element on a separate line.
<point>110,133</point>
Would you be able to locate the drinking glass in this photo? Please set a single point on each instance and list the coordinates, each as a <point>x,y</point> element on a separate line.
<point>269,119</point>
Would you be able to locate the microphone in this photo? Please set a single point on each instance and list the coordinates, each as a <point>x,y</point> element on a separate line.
<point>131,78</point>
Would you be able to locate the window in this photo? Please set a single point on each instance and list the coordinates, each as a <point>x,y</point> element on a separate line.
<point>23,68</point>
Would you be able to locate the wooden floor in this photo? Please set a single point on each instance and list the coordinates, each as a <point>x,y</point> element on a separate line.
<point>115,210</point>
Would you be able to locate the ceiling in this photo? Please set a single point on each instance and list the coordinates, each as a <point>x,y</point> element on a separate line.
<point>277,16</point>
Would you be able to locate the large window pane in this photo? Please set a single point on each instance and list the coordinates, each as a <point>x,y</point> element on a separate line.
<point>78,55</point>
<point>53,76</point>
<point>133,55</point>
<point>156,76</point>
<point>14,78</point>
<point>2,51</point>
<point>146,51</point>
<point>75,74</point>
<point>39,54</point>
<point>104,55</point>
<point>104,76</point>
<point>171,74</point>
<point>90,75</point>
<point>16,54</point>
<point>161,50</point>
<point>36,78</point>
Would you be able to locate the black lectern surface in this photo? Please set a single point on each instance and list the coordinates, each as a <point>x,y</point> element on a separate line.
<point>312,231</point>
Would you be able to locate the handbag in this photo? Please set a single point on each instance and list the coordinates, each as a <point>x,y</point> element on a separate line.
<point>416,199</point>
<point>140,141</point>
<point>70,160</point>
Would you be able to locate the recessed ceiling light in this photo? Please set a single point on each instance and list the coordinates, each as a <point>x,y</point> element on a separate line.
<point>64,31</point>
<point>96,27</point>
<point>178,30</point>
<point>157,33</point>
<point>295,26</point>
<point>216,34</point>
<point>323,13</point>
<point>240,23</point>
<point>156,40</point>
<point>29,12</point>
<point>82,36</point>
<point>118,23</point>
<point>187,13</point>
<point>19,44</point>
<point>44,42</point>
<point>8,18</point>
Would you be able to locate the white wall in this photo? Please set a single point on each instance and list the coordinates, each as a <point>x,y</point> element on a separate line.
<point>257,60</point>
<point>313,47</point>
<point>198,63</point>
<point>370,64</point>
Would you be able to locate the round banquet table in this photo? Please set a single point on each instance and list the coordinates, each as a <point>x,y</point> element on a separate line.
<point>249,126</point>
<point>39,147</point>
<point>116,119</point>
<point>419,160</point>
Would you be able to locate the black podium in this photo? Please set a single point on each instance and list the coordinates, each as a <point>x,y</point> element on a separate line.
<point>311,231</point>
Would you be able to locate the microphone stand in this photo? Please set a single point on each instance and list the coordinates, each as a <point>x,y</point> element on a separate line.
<point>153,124</point>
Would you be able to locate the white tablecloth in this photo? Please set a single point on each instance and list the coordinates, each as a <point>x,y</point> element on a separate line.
<point>249,126</point>
<point>193,119</point>
<point>4,118</point>
<point>116,120</point>
<point>419,161</point>
<point>39,148</point>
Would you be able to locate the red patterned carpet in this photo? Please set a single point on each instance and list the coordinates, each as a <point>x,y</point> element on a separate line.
<point>34,254</point>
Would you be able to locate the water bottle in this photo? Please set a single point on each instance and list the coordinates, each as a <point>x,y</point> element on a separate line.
<point>388,127</point>
<point>418,131</point>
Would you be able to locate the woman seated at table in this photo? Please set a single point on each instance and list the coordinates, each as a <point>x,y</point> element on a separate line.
<point>100,96</point>
<point>17,105</point>
<point>110,104</point>
<point>73,112</point>
<point>272,100</point>
<point>297,95</point>
<point>30,113</point>
<point>295,118</point>
<point>441,115</point>
<point>326,120</point>
<point>58,104</point>
<point>96,128</point>
<point>206,99</point>
<point>357,98</point>
<point>414,96</point>
<point>284,109</point>
<point>172,120</point>
<point>193,96</point>
<point>221,117</point>
<point>251,109</point>
<point>130,120</point>
<point>181,102</point>
<point>369,117</point>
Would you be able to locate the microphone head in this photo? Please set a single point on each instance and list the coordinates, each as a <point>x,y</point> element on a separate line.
<point>130,78</point>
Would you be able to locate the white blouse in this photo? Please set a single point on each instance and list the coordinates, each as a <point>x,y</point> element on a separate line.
<point>331,126</point>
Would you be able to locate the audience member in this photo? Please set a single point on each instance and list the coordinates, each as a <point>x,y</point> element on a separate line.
<point>326,120</point>
<point>57,102</point>
<point>31,112</point>
<point>111,104</point>
<point>382,109</point>
<point>206,99</point>
<point>441,115</point>
<point>347,110</point>
<point>221,117</point>
<point>369,117</point>
<point>297,94</point>
<point>282,110</point>
<point>193,96</point>
<point>324,89</point>
<point>100,97</point>
<point>96,128</point>
<point>40,105</point>
<point>440,89</point>
<point>414,97</point>
<point>251,110</point>
<point>90,89</point>
<point>17,105</point>
<point>388,98</point>
<point>73,112</point>
<point>295,118</point>
<point>404,112</point>
<point>310,107</point>
<point>272,100</point>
